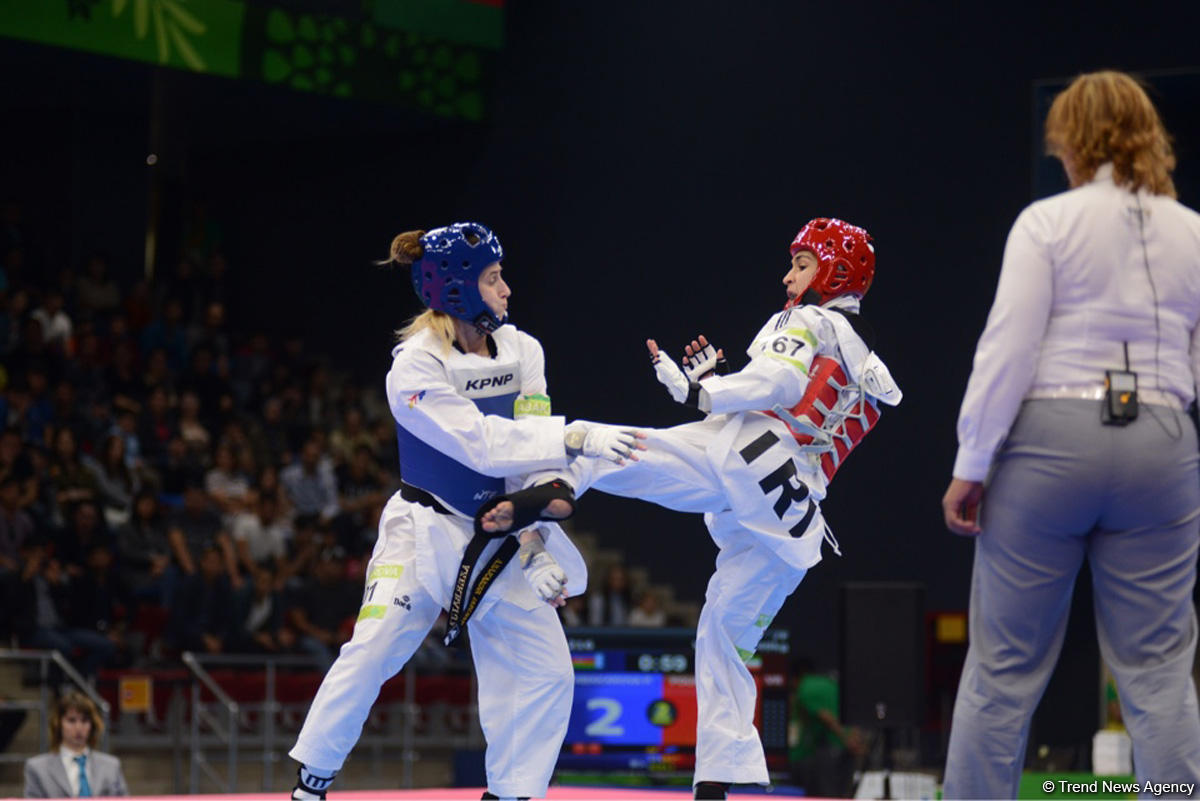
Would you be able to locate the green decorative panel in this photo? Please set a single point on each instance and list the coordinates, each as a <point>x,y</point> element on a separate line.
<point>435,55</point>
<point>196,36</point>
<point>474,22</point>
<point>364,60</point>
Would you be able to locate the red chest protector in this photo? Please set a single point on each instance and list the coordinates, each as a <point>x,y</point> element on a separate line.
<point>838,408</point>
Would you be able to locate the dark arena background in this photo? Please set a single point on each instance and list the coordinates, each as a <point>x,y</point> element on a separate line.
<point>646,166</point>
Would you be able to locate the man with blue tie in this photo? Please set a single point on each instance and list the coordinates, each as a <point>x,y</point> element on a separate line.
<point>73,768</point>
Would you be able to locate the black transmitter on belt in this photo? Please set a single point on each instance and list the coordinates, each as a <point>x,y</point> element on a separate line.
<point>1120,395</point>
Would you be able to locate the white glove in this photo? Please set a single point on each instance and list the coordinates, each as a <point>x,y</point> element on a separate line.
<point>670,376</point>
<point>606,442</point>
<point>542,571</point>
<point>699,363</point>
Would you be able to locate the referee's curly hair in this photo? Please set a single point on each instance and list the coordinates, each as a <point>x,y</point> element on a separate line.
<point>1108,117</point>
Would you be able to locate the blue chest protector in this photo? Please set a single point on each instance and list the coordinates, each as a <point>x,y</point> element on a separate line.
<point>455,484</point>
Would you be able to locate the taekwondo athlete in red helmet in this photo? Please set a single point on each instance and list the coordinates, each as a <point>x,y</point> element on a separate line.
<point>473,424</point>
<point>776,433</point>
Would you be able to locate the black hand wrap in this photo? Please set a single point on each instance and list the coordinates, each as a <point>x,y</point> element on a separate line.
<point>528,506</point>
<point>693,396</point>
<point>722,366</point>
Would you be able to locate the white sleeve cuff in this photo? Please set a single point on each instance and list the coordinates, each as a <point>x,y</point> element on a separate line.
<point>972,465</point>
<point>709,388</point>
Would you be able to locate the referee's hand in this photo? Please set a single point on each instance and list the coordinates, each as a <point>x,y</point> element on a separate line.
<point>960,506</point>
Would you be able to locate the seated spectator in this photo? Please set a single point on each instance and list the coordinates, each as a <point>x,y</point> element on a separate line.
<point>40,610</point>
<point>226,486</point>
<point>307,543</point>
<point>361,496</point>
<point>269,484</point>
<point>323,610</point>
<point>95,291</point>
<point>98,600</point>
<point>85,372</point>
<point>233,435</point>
<point>202,614</point>
<point>196,529</point>
<point>168,332</point>
<point>124,382</point>
<point>156,426</point>
<point>56,325</point>
<point>117,483</point>
<point>211,334</point>
<point>118,333</point>
<point>247,465</point>
<point>310,483</point>
<point>39,411</point>
<point>261,536</point>
<point>345,440</point>
<point>17,463</point>
<point>318,398</point>
<point>157,373</point>
<point>73,768</point>
<point>609,605</point>
<point>11,310</point>
<point>374,408</point>
<point>70,482</point>
<point>146,552</point>
<point>273,444</point>
<point>208,379</point>
<point>84,530</point>
<point>250,365</point>
<point>182,467</point>
<point>66,412</point>
<point>259,621</point>
<point>16,525</point>
<point>192,429</point>
<point>138,307</point>
<point>125,427</point>
<point>649,612</point>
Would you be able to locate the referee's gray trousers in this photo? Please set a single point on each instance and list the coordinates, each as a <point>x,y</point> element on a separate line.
<point>1065,487</point>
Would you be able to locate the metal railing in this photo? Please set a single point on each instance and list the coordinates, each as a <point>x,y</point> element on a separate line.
<point>226,732</point>
<point>200,713</point>
<point>265,738</point>
<point>42,705</point>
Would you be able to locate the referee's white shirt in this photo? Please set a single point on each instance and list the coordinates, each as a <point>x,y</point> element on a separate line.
<point>1074,286</point>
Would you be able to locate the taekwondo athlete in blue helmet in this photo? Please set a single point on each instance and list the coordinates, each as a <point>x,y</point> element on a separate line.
<point>473,425</point>
<point>758,466</point>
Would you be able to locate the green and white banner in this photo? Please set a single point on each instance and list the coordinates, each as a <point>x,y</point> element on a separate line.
<point>429,54</point>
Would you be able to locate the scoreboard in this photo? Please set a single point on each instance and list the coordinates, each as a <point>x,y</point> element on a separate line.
<point>635,699</point>
<point>644,709</point>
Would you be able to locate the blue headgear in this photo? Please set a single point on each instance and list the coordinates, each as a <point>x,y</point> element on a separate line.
<point>446,278</point>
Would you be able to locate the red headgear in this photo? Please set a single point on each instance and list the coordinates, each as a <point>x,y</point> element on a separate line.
<point>845,257</point>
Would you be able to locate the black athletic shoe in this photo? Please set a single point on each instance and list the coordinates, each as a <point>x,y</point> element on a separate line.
<point>488,796</point>
<point>711,790</point>
<point>312,790</point>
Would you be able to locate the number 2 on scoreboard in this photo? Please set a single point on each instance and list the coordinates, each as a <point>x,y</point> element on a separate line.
<point>610,712</point>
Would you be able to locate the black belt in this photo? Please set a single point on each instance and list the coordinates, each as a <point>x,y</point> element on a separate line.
<point>417,495</point>
<point>459,613</point>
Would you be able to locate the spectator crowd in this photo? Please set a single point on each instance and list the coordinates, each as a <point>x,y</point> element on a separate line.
<point>170,482</point>
<point>173,479</point>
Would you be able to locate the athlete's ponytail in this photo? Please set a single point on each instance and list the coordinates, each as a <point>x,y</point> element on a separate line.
<point>406,248</point>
